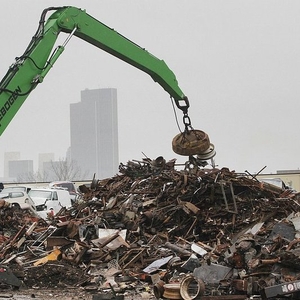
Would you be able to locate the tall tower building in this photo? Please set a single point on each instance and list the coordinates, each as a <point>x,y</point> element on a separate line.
<point>94,133</point>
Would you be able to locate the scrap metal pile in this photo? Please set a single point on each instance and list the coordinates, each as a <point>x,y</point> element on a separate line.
<point>204,233</point>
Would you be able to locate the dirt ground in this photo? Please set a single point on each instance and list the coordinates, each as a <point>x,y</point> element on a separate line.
<point>40,294</point>
<point>64,282</point>
<point>65,294</point>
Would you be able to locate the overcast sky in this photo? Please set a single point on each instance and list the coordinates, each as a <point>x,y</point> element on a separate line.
<point>237,61</point>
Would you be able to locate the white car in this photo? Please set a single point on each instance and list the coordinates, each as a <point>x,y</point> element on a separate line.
<point>67,185</point>
<point>15,188</point>
<point>19,198</point>
<point>49,201</point>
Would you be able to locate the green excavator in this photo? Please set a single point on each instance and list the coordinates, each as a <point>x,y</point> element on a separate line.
<point>30,69</point>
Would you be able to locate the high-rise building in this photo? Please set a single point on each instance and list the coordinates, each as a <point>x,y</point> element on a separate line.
<point>49,170</point>
<point>9,156</point>
<point>44,157</point>
<point>22,170</point>
<point>94,133</point>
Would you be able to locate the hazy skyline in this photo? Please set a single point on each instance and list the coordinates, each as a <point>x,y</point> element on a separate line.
<point>237,61</point>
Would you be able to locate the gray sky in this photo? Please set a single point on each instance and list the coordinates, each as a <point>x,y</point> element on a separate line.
<point>237,61</point>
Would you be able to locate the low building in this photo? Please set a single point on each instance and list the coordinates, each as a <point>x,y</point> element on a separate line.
<point>291,178</point>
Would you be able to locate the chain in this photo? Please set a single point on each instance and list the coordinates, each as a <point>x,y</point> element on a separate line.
<point>187,122</point>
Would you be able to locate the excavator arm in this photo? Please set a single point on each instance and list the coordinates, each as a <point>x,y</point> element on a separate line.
<point>30,69</point>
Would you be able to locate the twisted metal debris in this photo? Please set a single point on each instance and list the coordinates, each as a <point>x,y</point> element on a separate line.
<point>154,225</point>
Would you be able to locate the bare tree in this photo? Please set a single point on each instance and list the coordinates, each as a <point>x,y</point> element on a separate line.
<point>63,169</point>
<point>32,177</point>
<point>66,169</point>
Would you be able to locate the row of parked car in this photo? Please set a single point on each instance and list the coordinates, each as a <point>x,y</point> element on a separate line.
<point>42,201</point>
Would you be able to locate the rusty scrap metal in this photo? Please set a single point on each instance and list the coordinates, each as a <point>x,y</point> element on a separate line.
<point>8,277</point>
<point>229,223</point>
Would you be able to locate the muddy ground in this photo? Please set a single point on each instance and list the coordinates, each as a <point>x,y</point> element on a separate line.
<point>70,294</point>
<point>44,294</point>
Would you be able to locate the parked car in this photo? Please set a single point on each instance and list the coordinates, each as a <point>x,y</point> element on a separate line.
<point>67,185</point>
<point>49,200</point>
<point>17,188</point>
<point>19,198</point>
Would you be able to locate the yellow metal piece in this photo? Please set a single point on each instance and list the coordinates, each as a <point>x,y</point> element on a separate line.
<point>52,256</point>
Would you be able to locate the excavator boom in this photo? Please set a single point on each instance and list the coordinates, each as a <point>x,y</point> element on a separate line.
<point>30,69</point>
